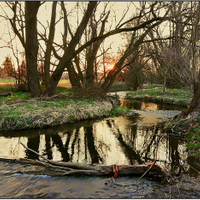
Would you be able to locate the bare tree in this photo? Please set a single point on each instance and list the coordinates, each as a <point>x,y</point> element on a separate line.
<point>70,49</point>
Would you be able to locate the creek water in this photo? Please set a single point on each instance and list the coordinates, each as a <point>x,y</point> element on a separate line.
<point>130,139</point>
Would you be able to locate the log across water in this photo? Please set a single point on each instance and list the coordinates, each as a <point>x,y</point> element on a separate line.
<point>78,169</point>
<point>66,169</point>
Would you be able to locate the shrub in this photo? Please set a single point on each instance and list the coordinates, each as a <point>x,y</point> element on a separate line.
<point>119,110</point>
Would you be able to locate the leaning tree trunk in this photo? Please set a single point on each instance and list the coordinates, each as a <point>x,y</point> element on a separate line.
<point>49,45</point>
<point>133,47</point>
<point>31,47</point>
<point>194,104</point>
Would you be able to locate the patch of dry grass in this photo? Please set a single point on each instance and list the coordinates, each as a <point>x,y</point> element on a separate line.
<point>64,83</point>
<point>50,113</point>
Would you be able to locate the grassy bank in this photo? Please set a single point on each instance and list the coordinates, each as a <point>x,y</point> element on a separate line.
<point>34,114</point>
<point>20,111</point>
<point>154,93</point>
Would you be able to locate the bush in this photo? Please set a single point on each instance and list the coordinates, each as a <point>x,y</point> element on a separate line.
<point>119,110</point>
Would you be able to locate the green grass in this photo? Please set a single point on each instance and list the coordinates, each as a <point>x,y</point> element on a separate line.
<point>7,80</point>
<point>171,96</point>
<point>151,86</point>
<point>20,111</point>
<point>157,91</point>
<point>26,95</point>
<point>119,110</point>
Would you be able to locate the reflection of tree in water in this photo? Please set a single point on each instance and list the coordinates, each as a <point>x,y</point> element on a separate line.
<point>81,141</point>
<point>151,140</point>
<point>157,138</point>
<point>48,150</point>
<point>61,147</point>
<point>72,143</point>
<point>154,137</point>
<point>174,154</point>
<point>90,144</point>
<point>129,152</point>
<point>33,143</point>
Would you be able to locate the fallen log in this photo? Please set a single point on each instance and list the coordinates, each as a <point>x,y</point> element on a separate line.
<point>5,94</point>
<point>95,170</point>
<point>67,169</point>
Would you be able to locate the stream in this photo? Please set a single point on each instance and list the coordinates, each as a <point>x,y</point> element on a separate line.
<point>131,140</point>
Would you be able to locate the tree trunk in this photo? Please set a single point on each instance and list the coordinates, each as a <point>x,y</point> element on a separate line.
<point>164,82</point>
<point>194,104</point>
<point>67,57</point>
<point>92,51</point>
<point>49,45</point>
<point>31,47</point>
<point>106,85</point>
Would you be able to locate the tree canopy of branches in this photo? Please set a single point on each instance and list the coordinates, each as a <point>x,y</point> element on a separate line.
<point>71,48</point>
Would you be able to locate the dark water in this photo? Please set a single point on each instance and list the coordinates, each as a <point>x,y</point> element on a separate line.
<point>131,139</point>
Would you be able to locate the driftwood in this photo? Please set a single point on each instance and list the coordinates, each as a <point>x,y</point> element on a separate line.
<point>66,169</point>
<point>5,94</point>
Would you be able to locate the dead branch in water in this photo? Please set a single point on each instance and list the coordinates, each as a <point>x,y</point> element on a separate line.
<point>66,169</point>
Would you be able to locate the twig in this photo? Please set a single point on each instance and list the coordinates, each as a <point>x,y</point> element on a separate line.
<point>194,169</point>
<point>166,174</point>
<point>142,175</point>
<point>57,167</point>
<point>34,152</point>
<point>69,166</point>
<point>149,168</point>
<point>66,168</point>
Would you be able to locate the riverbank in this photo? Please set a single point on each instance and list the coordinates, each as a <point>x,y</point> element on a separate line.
<point>30,114</point>
<point>20,112</point>
<point>186,128</point>
<point>155,94</point>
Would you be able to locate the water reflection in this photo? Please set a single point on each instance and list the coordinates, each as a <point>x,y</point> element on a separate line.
<point>149,106</point>
<point>114,140</point>
<point>145,106</point>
